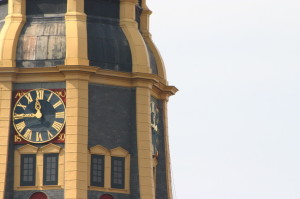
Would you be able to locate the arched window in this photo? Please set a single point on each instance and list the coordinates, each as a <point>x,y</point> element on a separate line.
<point>106,196</point>
<point>38,195</point>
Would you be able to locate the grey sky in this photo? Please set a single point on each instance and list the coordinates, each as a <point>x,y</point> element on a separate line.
<point>234,125</point>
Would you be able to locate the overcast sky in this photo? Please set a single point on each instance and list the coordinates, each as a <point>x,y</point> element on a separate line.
<point>235,123</point>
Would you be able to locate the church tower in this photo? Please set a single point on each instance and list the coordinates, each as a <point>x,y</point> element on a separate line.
<point>83,102</point>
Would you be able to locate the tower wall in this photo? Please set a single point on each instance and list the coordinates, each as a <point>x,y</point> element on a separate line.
<point>98,58</point>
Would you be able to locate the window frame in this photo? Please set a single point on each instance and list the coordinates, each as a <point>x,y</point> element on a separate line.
<point>55,182</point>
<point>113,172</point>
<point>95,183</point>
<point>26,183</point>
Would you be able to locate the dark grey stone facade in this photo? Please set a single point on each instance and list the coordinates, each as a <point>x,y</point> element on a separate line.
<point>112,122</point>
<point>97,194</point>
<point>161,179</point>
<point>52,194</point>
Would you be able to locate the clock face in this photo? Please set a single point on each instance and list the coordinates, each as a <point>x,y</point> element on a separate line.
<point>39,115</point>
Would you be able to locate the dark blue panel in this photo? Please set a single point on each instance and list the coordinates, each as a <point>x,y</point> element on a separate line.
<point>138,12</point>
<point>161,178</point>
<point>102,8</point>
<point>40,7</point>
<point>108,47</point>
<point>42,43</point>
<point>3,13</point>
<point>112,124</point>
<point>153,64</point>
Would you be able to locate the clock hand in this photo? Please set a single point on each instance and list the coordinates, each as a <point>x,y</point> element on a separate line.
<point>38,109</point>
<point>38,113</point>
<point>21,116</point>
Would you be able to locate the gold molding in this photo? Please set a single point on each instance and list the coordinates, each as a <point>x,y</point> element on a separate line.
<point>76,34</point>
<point>10,32</point>
<point>5,119</point>
<point>144,24</point>
<point>159,87</point>
<point>140,57</point>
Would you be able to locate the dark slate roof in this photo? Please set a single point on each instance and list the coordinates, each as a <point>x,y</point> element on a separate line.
<point>108,47</point>
<point>3,12</point>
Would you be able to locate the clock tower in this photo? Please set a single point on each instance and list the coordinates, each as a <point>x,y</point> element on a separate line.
<point>83,102</point>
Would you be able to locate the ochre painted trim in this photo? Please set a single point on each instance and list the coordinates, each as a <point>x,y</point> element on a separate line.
<point>144,24</point>
<point>10,32</point>
<point>140,57</point>
<point>76,34</point>
<point>76,142</point>
<point>5,117</point>
<point>144,144</point>
<point>167,151</point>
<point>158,86</point>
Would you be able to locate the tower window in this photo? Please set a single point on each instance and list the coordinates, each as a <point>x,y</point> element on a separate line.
<point>38,195</point>
<point>50,169</point>
<point>28,167</point>
<point>117,172</point>
<point>97,170</point>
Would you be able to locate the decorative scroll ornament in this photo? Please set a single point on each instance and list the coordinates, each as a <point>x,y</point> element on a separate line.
<point>154,127</point>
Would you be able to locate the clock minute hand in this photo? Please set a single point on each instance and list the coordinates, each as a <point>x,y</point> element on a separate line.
<point>21,116</point>
<point>38,113</point>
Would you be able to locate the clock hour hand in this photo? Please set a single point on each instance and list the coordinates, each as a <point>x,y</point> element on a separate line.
<point>38,109</point>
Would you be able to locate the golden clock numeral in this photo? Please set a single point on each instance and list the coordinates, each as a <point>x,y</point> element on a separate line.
<point>50,135</point>
<point>38,137</point>
<point>49,98</point>
<point>21,105</point>
<point>17,138</point>
<point>60,115</point>
<point>57,104</point>
<point>29,98</point>
<point>62,137</point>
<point>40,94</point>
<point>20,126</point>
<point>28,134</point>
<point>57,126</point>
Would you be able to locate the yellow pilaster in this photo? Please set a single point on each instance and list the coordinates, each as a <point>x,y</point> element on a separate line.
<point>76,149</point>
<point>5,115</point>
<point>144,24</point>
<point>145,161</point>
<point>140,58</point>
<point>76,34</point>
<point>167,150</point>
<point>10,32</point>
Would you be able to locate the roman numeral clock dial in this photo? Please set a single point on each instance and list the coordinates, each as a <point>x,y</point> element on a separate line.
<point>39,115</point>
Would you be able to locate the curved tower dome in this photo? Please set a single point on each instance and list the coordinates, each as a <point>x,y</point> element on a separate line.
<point>83,101</point>
<point>108,40</point>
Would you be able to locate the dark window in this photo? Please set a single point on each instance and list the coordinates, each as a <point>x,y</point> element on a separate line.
<point>117,172</point>
<point>50,169</point>
<point>3,1</point>
<point>97,170</point>
<point>28,166</point>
